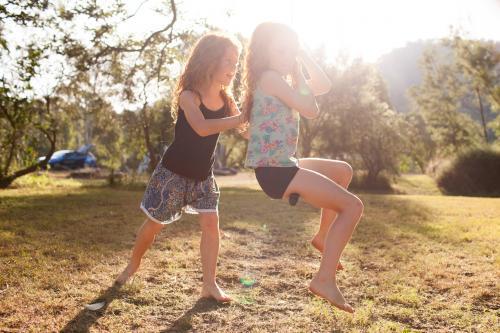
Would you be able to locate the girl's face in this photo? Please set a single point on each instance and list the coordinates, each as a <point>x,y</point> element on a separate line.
<point>226,69</point>
<point>283,55</point>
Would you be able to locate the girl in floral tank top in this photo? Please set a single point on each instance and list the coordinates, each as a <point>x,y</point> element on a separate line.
<point>274,131</point>
<point>272,108</point>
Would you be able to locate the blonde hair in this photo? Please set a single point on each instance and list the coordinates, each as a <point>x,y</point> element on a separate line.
<point>201,64</point>
<point>257,58</point>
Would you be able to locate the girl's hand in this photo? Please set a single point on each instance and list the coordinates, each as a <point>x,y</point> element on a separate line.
<point>241,118</point>
<point>318,81</point>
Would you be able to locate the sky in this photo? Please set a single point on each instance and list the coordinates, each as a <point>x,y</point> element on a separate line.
<point>353,28</point>
<point>359,28</point>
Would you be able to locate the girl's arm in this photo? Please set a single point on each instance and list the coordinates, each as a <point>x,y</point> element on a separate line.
<point>189,102</point>
<point>299,98</point>
<point>235,111</point>
<point>319,82</point>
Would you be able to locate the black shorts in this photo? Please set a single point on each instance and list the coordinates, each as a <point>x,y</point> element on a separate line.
<point>275,180</point>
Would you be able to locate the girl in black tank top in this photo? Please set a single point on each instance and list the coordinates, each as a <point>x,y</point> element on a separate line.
<point>190,154</point>
<point>183,179</point>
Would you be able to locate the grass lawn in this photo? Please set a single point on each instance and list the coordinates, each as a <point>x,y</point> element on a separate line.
<point>417,263</point>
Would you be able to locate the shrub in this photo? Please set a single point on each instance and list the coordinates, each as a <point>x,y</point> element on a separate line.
<point>360,181</point>
<point>473,173</point>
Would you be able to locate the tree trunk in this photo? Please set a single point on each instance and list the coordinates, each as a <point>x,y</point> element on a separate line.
<point>153,160</point>
<point>481,111</point>
<point>306,139</point>
<point>371,178</point>
<point>111,178</point>
<point>51,135</point>
<point>5,181</point>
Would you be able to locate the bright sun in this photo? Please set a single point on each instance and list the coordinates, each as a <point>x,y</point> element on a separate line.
<point>359,28</point>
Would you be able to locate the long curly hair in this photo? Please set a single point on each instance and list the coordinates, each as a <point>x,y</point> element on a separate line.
<point>257,58</point>
<point>201,64</point>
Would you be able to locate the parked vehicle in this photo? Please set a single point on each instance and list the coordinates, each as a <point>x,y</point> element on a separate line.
<point>72,159</point>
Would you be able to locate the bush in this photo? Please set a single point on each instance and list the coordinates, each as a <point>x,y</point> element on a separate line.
<point>473,173</point>
<point>43,179</point>
<point>360,181</point>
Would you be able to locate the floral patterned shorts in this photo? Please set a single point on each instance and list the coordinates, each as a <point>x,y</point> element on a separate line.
<point>168,193</point>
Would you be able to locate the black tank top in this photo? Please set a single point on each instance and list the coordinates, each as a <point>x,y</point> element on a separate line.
<point>191,155</point>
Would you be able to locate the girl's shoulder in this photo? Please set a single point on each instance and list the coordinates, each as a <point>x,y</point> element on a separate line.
<point>189,96</point>
<point>273,84</point>
<point>268,81</point>
<point>266,86</point>
<point>262,101</point>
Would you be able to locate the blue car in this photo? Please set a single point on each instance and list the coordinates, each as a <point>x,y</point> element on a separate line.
<point>72,159</point>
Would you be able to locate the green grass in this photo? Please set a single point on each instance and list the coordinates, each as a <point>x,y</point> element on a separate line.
<point>416,263</point>
<point>416,184</point>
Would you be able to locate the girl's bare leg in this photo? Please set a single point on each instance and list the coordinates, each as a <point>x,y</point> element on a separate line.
<point>319,191</point>
<point>145,237</point>
<point>341,173</point>
<point>209,249</point>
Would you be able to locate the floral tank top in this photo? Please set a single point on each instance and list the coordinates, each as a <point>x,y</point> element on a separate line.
<point>274,132</point>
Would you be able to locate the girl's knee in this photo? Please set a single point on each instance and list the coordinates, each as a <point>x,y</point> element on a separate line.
<point>357,205</point>
<point>347,172</point>
<point>353,205</point>
<point>348,169</point>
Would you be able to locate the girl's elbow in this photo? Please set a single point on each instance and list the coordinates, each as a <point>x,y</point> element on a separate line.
<point>325,89</point>
<point>203,133</point>
<point>200,130</point>
<point>328,88</point>
<point>312,112</point>
<point>313,115</point>
<point>329,84</point>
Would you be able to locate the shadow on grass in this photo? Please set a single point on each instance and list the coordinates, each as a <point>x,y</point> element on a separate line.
<point>96,219</point>
<point>384,216</point>
<point>105,220</point>
<point>387,217</point>
<point>84,320</point>
<point>184,322</point>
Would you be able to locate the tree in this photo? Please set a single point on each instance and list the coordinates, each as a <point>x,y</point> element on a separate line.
<point>478,62</point>
<point>116,63</point>
<point>420,147</point>
<point>20,120</point>
<point>438,99</point>
<point>24,121</point>
<point>108,139</point>
<point>139,69</point>
<point>356,122</point>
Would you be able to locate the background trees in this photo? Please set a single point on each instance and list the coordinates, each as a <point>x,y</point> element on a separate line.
<point>75,79</point>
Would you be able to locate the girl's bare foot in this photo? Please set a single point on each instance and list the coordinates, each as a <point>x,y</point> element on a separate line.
<point>215,292</point>
<point>327,289</point>
<point>125,275</point>
<point>318,243</point>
